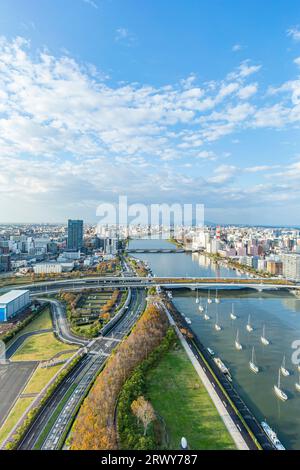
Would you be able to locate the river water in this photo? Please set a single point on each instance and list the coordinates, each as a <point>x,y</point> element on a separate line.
<point>278,311</point>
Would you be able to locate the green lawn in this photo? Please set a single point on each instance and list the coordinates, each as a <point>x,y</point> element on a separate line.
<point>40,348</point>
<point>40,378</point>
<point>14,416</point>
<point>41,322</point>
<point>181,400</point>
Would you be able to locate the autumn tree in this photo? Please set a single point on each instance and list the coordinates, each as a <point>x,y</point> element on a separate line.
<point>144,412</point>
<point>94,428</point>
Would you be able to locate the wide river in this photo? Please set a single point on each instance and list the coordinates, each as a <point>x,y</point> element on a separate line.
<point>278,311</point>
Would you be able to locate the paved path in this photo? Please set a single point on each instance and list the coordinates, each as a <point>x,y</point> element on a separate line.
<point>230,425</point>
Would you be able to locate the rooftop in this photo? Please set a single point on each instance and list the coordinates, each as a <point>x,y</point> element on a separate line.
<point>12,295</point>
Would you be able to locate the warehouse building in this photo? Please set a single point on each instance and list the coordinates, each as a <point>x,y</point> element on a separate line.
<point>13,303</point>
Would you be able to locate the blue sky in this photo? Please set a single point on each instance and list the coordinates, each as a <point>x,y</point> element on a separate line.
<point>182,101</point>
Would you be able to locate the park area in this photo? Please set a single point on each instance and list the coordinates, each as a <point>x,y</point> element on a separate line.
<point>89,311</point>
<point>183,405</point>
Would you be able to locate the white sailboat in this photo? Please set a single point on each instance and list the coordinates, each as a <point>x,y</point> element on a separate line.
<point>263,338</point>
<point>206,316</point>
<point>201,308</point>
<point>232,314</point>
<point>238,345</point>
<point>209,301</point>
<point>249,326</point>
<point>197,297</point>
<point>297,385</point>
<point>217,326</point>
<point>252,364</point>
<point>217,300</point>
<point>283,368</point>
<point>277,388</point>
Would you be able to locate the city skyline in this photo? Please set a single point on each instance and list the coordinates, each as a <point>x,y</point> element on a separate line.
<point>209,116</point>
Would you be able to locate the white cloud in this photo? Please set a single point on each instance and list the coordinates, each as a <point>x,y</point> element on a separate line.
<point>297,61</point>
<point>123,35</point>
<point>92,3</point>
<point>68,135</point>
<point>207,155</point>
<point>294,33</point>
<point>237,47</point>
<point>247,91</point>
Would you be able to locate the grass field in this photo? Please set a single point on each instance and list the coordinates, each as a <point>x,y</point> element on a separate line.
<point>181,400</point>
<point>42,322</point>
<point>13,417</point>
<point>40,378</point>
<point>40,348</point>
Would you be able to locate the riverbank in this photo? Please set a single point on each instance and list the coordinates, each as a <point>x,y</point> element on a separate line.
<point>185,406</point>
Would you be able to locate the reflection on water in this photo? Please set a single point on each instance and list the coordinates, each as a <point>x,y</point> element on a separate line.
<point>179,264</point>
<point>278,311</point>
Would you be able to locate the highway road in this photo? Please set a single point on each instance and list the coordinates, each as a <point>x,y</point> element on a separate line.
<point>61,326</point>
<point>60,407</point>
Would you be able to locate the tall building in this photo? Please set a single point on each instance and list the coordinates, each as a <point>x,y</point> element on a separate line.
<point>291,266</point>
<point>75,234</point>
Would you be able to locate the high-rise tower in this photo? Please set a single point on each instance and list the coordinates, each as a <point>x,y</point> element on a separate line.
<point>75,234</point>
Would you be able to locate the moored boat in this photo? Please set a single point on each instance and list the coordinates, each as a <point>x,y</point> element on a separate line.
<point>232,314</point>
<point>238,345</point>
<point>252,363</point>
<point>278,391</point>
<point>283,368</point>
<point>263,338</point>
<point>272,436</point>
<point>249,326</point>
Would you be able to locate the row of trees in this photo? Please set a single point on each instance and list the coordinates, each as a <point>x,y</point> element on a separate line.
<point>95,426</point>
<point>138,426</point>
<point>111,302</point>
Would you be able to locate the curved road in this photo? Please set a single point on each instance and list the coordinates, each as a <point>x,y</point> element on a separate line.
<point>61,326</point>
